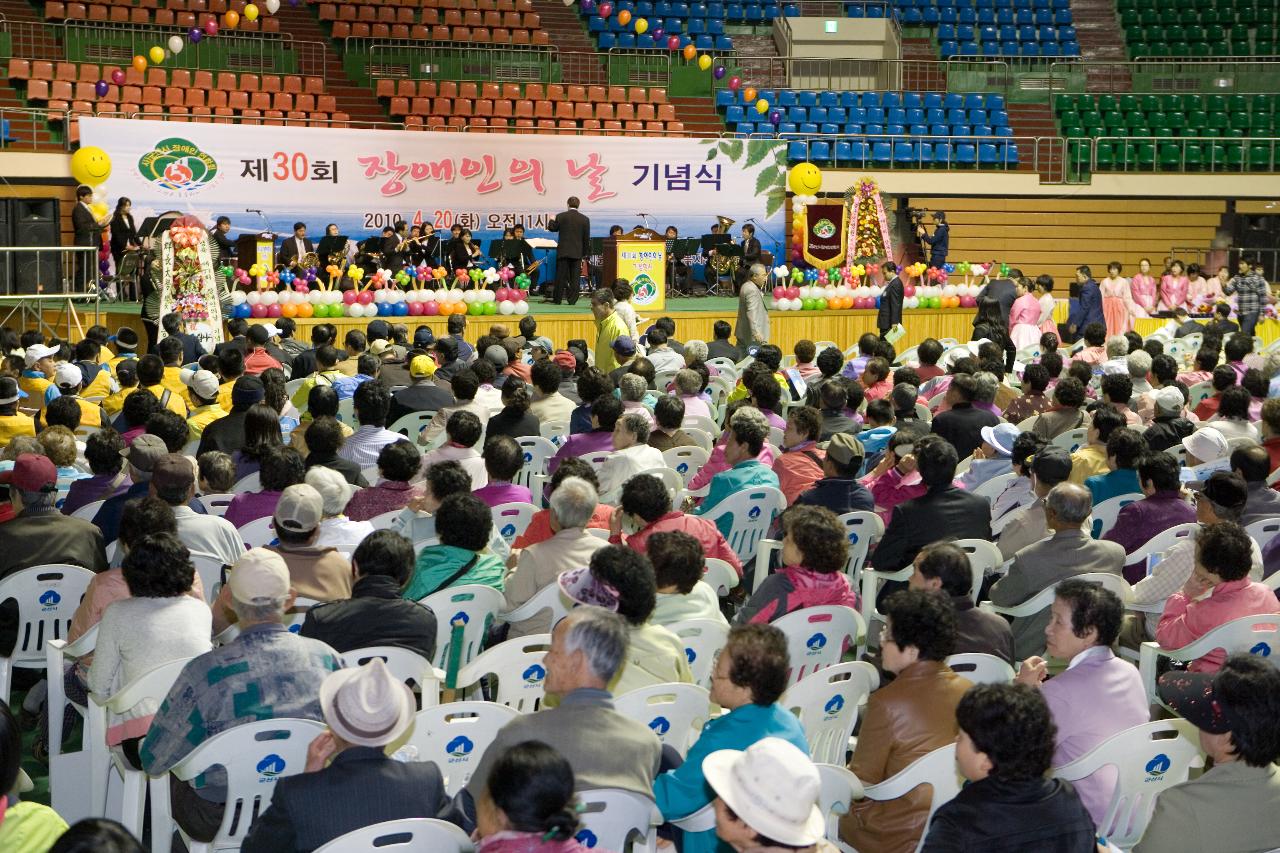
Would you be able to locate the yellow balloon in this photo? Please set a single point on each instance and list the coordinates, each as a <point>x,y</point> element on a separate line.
<point>642,26</point>
<point>90,166</point>
<point>157,55</point>
<point>99,209</point>
<point>805,179</point>
<point>704,62</point>
<point>251,12</point>
<point>762,106</point>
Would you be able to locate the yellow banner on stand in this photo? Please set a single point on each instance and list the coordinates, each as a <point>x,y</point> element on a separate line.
<point>644,264</point>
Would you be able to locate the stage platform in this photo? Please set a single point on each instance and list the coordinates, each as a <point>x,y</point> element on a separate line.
<point>694,319</point>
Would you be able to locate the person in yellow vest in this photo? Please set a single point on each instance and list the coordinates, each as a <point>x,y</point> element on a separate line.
<point>203,388</point>
<point>125,342</point>
<point>98,381</point>
<point>170,351</point>
<point>37,379</point>
<point>326,374</point>
<point>230,368</point>
<point>125,384</point>
<point>151,377</point>
<point>12,422</point>
<point>70,380</point>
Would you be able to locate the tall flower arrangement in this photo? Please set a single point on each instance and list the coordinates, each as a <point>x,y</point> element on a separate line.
<point>869,226</point>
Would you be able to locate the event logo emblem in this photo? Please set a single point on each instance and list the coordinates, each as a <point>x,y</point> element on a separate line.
<point>835,705</point>
<point>690,654</point>
<point>644,289</point>
<point>270,767</point>
<point>534,675</point>
<point>586,838</point>
<point>817,642</point>
<point>50,598</point>
<point>1261,650</point>
<point>178,165</point>
<point>459,747</point>
<point>824,229</point>
<point>660,725</point>
<point>1158,766</point>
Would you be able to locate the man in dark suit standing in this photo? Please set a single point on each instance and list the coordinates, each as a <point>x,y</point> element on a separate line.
<point>750,253</point>
<point>1003,291</point>
<point>890,313</point>
<point>366,708</point>
<point>1086,307</point>
<point>575,244</point>
<point>296,246</point>
<point>88,232</point>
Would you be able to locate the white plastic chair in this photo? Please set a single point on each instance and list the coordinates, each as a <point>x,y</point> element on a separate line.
<point>555,431</point>
<point>1198,393</point>
<point>981,668</point>
<point>1258,635</point>
<point>406,665</point>
<point>751,512</point>
<point>47,598</point>
<point>347,412</point>
<point>474,606</point>
<point>596,460</point>
<point>686,461</point>
<point>209,568</point>
<point>512,519</point>
<point>863,530</point>
<point>1044,598</point>
<point>937,770</point>
<point>1104,514</point>
<point>259,533</point>
<point>88,511</point>
<point>410,835</point>
<point>703,639</point>
<point>837,788</point>
<point>675,713</point>
<point>248,483</point>
<point>549,598</point>
<point>537,450</point>
<point>1147,759</point>
<point>618,820</point>
<point>818,636</point>
<point>991,489</point>
<point>705,440</point>
<point>984,558</point>
<point>386,520</point>
<point>372,474</point>
<point>216,504</point>
<point>455,735</point>
<point>827,703</point>
<point>68,771</point>
<point>1161,542</point>
<point>1071,440</point>
<point>725,365</point>
<point>720,576</point>
<point>255,755</point>
<point>412,424</point>
<point>701,422</point>
<point>1264,531</point>
<point>517,666</point>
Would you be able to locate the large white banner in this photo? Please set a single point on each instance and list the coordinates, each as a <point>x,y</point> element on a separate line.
<point>362,180</point>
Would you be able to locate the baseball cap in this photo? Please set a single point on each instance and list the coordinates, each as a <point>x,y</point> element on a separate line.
<point>367,705</point>
<point>8,390</point>
<point>773,787</point>
<point>1226,489</point>
<point>447,347</point>
<point>378,330</point>
<point>844,448</point>
<point>247,391</point>
<point>624,346</point>
<point>422,367</point>
<point>203,382</point>
<point>259,573</point>
<point>496,355</point>
<point>68,375</point>
<point>565,359</point>
<point>423,336</point>
<point>146,451</point>
<point>300,508</point>
<point>1207,444</point>
<point>125,338</point>
<point>1167,399</point>
<point>379,346</point>
<point>173,471</point>
<point>1001,437</point>
<point>585,588</point>
<point>543,343</point>
<point>1051,464</point>
<point>35,352</point>
<point>31,472</point>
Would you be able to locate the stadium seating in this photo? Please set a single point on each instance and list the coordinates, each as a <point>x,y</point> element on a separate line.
<point>1204,28</point>
<point>477,21</point>
<point>1025,29</point>
<point>699,24</point>
<point>163,13</point>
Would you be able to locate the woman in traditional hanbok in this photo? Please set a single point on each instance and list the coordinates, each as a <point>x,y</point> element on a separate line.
<point>1115,300</point>
<point>1024,317</point>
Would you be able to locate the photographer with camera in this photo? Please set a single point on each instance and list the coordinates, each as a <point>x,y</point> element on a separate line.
<point>939,241</point>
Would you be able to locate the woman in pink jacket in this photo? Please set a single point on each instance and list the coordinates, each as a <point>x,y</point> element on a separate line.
<point>1174,286</point>
<point>1142,291</point>
<point>1024,317</point>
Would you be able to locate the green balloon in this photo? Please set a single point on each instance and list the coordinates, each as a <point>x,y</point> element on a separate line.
<point>321,310</point>
<point>475,309</point>
<point>490,308</point>
<point>822,304</point>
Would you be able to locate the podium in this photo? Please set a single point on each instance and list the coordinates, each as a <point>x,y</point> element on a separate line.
<point>256,249</point>
<point>639,256</point>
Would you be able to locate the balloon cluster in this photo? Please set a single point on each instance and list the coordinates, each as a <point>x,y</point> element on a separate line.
<point>940,296</point>
<point>823,297</point>
<point>91,166</point>
<point>186,236</point>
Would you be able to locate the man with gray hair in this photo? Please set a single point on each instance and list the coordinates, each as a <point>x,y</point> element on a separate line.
<point>570,547</point>
<point>984,396</point>
<point>632,455</point>
<point>1117,355</point>
<point>265,673</point>
<point>752,328</point>
<point>1069,551</point>
<point>695,350</point>
<point>604,748</point>
<point>1139,364</point>
<point>744,439</point>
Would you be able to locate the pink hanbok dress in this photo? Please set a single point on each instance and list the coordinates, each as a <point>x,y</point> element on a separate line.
<point>1207,292</point>
<point>1024,321</point>
<point>1142,295</point>
<point>1115,305</point>
<point>1173,292</point>
<point>1047,304</point>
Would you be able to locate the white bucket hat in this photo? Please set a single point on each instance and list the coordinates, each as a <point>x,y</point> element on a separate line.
<point>366,705</point>
<point>773,787</point>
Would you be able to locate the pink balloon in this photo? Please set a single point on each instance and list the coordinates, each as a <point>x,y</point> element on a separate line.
<point>273,310</point>
<point>605,10</point>
<point>779,292</point>
<point>365,297</point>
<point>673,42</point>
<point>522,295</point>
<point>908,290</point>
<point>349,296</point>
<point>415,308</point>
<point>258,310</point>
<point>793,292</point>
<point>431,309</point>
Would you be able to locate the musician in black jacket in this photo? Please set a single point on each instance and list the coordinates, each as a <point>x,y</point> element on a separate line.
<point>464,254</point>
<point>293,248</point>
<point>124,234</point>
<point>88,232</point>
<point>220,238</point>
<point>575,244</point>
<point>523,259</point>
<point>750,252</point>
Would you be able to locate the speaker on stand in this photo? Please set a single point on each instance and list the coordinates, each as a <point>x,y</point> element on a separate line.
<point>34,222</point>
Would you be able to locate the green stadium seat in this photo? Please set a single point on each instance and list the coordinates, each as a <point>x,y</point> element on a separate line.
<point>1262,157</point>
<point>1216,103</point>
<point>1149,103</point>
<point>1239,121</point>
<point>1201,50</point>
<point>1196,34</point>
<point>1129,103</point>
<point>1106,156</point>
<point>1171,103</point>
<point>1108,103</point>
<point>1196,118</point>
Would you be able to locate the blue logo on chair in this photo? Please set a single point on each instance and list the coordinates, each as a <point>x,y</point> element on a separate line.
<point>853,537</point>
<point>295,628</point>
<point>754,513</point>
<point>459,747</point>
<point>835,705</point>
<point>528,457</point>
<point>817,642</point>
<point>534,674</point>
<point>272,765</point>
<point>508,531</point>
<point>690,654</point>
<point>1261,650</point>
<point>50,597</point>
<point>1159,765</point>
<point>460,616</point>
<point>586,838</point>
<point>660,725</point>
<point>682,468</point>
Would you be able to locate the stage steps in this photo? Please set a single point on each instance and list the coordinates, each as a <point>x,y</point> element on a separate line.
<point>1102,41</point>
<point>1055,236</point>
<point>302,23</point>
<point>699,116</point>
<point>568,32</point>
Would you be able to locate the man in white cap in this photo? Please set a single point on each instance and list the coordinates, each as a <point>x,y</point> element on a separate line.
<point>767,798</point>
<point>366,708</point>
<point>1207,452</point>
<point>265,673</point>
<point>203,388</point>
<point>37,379</point>
<point>70,381</point>
<point>336,529</point>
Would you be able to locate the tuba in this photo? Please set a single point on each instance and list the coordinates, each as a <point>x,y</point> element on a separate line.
<point>720,263</point>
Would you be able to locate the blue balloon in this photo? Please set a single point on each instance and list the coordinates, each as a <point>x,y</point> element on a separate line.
<point>948,268</point>
<point>401,309</point>
<point>877,302</point>
<point>243,310</point>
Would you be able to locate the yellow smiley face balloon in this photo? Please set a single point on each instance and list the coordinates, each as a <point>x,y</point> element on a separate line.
<point>805,179</point>
<point>90,165</point>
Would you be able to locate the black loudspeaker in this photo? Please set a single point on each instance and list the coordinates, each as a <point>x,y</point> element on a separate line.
<point>6,258</point>
<point>34,222</point>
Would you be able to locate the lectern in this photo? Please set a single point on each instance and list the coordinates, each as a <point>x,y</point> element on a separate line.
<point>256,249</point>
<point>639,256</point>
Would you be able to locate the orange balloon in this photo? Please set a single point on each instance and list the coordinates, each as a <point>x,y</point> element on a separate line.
<point>305,309</point>
<point>624,17</point>
<point>140,63</point>
<point>231,20</point>
<point>689,52</point>
<point>446,308</point>
<point>288,310</point>
<point>748,95</point>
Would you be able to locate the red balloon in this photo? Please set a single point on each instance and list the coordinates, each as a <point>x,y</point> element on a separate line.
<point>118,77</point>
<point>258,310</point>
<point>605,9</point>
<point>211,26</point>
<point>431,309</point>
<point>349,296</point>
<point>673,42</point>
<point>273,310</point>
<point>793,292</point>
<point>365,297</point>
<point>779,292</point>
<point>415,308</point>
<point>735,83</point>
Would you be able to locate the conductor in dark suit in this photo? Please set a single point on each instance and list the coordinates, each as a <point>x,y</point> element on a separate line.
<point>296,246</point>
<point>88,232</point>
<point>366,708</point>
<point>890,313</point>
<point>575,244</point>
<point>750,253</point>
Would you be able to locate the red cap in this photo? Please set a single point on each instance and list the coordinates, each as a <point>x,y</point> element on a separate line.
<point>31,473</point>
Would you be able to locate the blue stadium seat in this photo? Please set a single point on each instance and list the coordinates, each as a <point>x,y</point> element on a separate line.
<point>852,129</point>
<point>697,26</point>
<point>1026,33</point>
<point>808,128</point>
<point>1070,48</point>
<point>797,114</point>
<point>961,130</point>
<point>997,118</point>
<point>912,100</point>
<point>1029,48</point>
<point>1066,33</point>
<point>994,102</point>
<point>982,130</point>
<point>818,114</point>
<point>973,102</point>
<point>990,48</point>
<point>932,101</point>
<point>1048,48</point>
<point>875,115</point>
<point>941,153</point>
<point>1042,16</point>
<point>939,130</point>
<point>957,116</point>
<point>644,10</point>
<point>882,153</point>
<point>1003,130</point>
<point>828,99</point>
<point>978,117</point>
<point>967,16</point>
<point>964,33</point>
<point>948,49</point>
<point>912,18</point>
<point>986,17</point>
<point>768,94</point>
<point>716,10</point>
<point>786,127</point>
<point>820,151</point>
<point>1009,33</point>
<point>1004,17</point>
<point>725,97</point>
<point>891,100</point>
<point>895,115</point>
<point>754,14</point>
<point>1047,34</point>
<point>791,11</point>
<point>965,154</point>
<point>968,48</point>
<point>608,40</point>
<point>697,10</point>
<point>797,151</point>
<point>1062,17</point>
<point>931,16</point>
<point>838,115</point>
<point>724,43</point>
<point>626,40</point>
<point>703,42</point>
<point>986,34</point>
<point>744,128</point>
<point>858,115</point>
<point>915,116</point>
<point>918,130</point>
<point>953,101</point>
<point>871,99</point>
<point>895,129</point>
<point>807,99</point>
<point>987,155</point>
<point>849,100</point>
<point>829,128</point>
<point>1024,16</point>
<point>595,24</point>
<point>1009,48</point>
<point>715,26</point>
